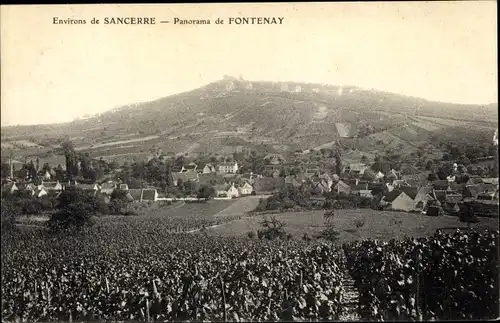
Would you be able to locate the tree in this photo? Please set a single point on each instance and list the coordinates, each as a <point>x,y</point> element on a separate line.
<point>46,168</point>
<point>5,170</point>
<point>9,212</point>
<point>73,216</point>
<point>272,229</point>
<point>118,201</point>
<point>328,216</point>
<point>432,177</point>
<point>468,216</point>
<point>206,192</point>
<point>429,165</point>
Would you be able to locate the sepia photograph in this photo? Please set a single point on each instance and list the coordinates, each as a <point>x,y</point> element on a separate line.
<point>249,162</point>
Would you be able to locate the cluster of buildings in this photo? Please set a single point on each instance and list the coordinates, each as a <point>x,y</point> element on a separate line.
<point>396,191</point>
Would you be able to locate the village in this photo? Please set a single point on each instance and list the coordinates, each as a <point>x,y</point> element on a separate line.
<point>408,190</point>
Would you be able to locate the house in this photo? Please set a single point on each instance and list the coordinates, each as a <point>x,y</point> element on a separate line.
<point>475,181</point>
<point>369,175</point>
<point>410,191</point>
<point>439,195</point>
<point>312,171</point>
<point>392,175</point>
<point>398,200</point>
<point>108,188</point>
<point>357,169</point>
<point>490,196</point>
<point>492,181</point>
<point>451,178</point>
<point>191,167</point>
<point>226,190</point>
<point>208,169</point>
<point>51,186</point>
<point>456,187</point>
<point>398,183</point>
<point>379,175</point>
<point>366,193</point>
<point>335,178</point>
<point>268,185</point>
<point>358,187</point>
<point>228,168</point>
<point>292,181</point>
<point>440,185</point>
<point>472,191</point>
<point>327,179</point>
<point>424,195</point>
<point>12,187</point>
<point>247,178</point>
<point>46,176</point>
<point>124,187</point>
<point>274,159</point>
<point>184,177</point>
<point>39,192</point>
<point>320,187</point>
<point>30,187</point>
<point>91,188</point>
<point>342,187</point>
<point>245,189</point>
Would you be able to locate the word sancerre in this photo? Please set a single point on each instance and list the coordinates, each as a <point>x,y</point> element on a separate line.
<point>129,21</point>
<point>191,22</point>
<point>256,20</point>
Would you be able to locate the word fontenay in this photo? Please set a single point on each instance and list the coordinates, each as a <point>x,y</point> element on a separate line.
<point>256,20</point>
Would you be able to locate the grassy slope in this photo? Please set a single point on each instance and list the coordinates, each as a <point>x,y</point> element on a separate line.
<point>372,224</point>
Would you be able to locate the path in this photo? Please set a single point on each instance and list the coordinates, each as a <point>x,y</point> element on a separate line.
<point>350,300</point>
<point>240,206</point>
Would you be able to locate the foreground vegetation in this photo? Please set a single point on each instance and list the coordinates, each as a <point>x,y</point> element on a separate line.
<point>138,271</point>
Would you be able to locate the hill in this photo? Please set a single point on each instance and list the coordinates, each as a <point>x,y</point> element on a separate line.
<point>233,114</point>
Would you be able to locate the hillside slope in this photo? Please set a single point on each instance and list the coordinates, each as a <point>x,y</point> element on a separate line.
<point>236,113</point>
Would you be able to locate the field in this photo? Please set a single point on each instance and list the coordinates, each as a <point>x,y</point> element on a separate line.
<point>169,218</point>
<point>133,268</point>
<point>353,224</point>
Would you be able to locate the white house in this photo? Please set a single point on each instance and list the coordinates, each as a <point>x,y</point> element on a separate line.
<point>208,169</point>
<point>13,188</point>
<point>379,175</point>
<point>39,193</point>
<point>46,176</point>
<point>451,178</point>
<point>227,190</point>
<point>228,168</point>
<point>51,186</point>
<point>246,189</point>
<point>108,188</point>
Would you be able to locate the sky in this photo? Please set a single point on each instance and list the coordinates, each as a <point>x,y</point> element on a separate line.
<point>50,73</point>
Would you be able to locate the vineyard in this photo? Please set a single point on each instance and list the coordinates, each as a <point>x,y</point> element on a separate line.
<point>157,276</point>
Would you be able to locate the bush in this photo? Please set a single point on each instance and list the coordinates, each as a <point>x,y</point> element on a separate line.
<point>272,229</point>
<point>251,234</point>
<point>329,234</point>
<point>9,211</point>
<point>359,223</point>
<point>74,216</point>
